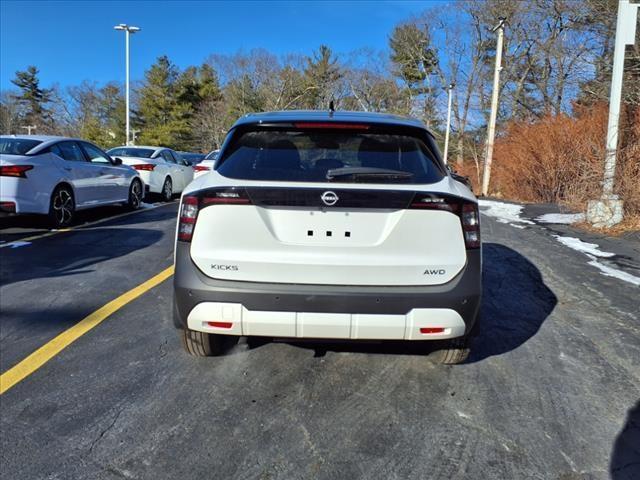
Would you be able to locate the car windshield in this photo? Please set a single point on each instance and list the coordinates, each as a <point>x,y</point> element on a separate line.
<point>17,146</point>
<point>131,152</point>
<point>192,157</point>
<point>329,155</point>
<point>212,155</point>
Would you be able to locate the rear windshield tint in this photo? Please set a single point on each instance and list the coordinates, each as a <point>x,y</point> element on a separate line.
<point>307,156</point>
<point>17,146</point>
<point>131,152</point>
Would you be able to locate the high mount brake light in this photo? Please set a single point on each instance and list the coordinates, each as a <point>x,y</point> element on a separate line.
<point>147,167</point>
<point>192,204</point>
<point>18,171</point>
<point>466,211</point>
<point>332,125</point>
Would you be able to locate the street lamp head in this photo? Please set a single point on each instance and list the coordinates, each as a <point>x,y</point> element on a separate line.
<point>127,28</point>
<point>451,86</point>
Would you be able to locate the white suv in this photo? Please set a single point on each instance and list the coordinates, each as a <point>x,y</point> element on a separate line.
<point>328,225</point>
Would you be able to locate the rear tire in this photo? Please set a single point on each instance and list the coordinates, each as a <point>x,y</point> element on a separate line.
<point>454,352</point>
<point>200,344</point>
<point>167,190</point>
<point>62,207</point>
<point>135,195</point>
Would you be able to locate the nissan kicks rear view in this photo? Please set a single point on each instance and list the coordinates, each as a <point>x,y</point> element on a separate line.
<point>328,226</point>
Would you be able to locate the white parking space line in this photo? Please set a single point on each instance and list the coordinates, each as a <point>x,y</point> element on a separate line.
<point>21,241</point>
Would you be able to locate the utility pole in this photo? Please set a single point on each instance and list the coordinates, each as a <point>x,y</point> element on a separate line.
<point>449,88</point>
<point>128,29</point>
<point>29,128</point>
<point>608,211</point>
<point>491,134</point>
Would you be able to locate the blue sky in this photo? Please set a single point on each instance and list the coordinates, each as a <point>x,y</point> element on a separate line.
<point>72,41</point>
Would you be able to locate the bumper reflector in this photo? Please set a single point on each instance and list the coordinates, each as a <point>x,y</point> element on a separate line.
<point>220,324</point>
<point>432,330</point>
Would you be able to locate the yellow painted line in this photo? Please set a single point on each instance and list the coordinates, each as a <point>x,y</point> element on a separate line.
<point>84,225</point>
<point>50,349</point>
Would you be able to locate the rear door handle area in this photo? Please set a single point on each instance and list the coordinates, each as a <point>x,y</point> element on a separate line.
<point>68,169</point>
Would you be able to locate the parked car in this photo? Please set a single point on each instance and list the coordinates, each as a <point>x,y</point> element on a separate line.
<point>161,169</point>
<point>343,226</point>
<point>57,176</point>
<point>192,158</point>
<point>206,165</point>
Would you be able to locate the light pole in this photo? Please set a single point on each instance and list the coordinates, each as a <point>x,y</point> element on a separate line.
<point>608,211</point>
<point>128,29</point>
<point>449,88</point>
<point>494,107</point>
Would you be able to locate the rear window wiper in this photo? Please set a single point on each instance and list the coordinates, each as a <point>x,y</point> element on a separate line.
<point>368,172</point>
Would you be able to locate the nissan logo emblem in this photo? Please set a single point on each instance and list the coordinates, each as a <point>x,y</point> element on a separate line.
<point>329,198</point>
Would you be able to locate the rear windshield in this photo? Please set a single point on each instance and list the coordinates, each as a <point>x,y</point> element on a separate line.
<point>17,146</point>
<point>312,156</point>
<point>131,152</point>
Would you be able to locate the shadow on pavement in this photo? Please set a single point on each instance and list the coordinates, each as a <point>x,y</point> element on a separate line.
<point>515,304</point>
<point>22,226</point>
<point>62,256</point>
<point>625,458</point>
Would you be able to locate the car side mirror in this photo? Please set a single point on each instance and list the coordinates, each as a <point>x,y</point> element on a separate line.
<point>117,161</point>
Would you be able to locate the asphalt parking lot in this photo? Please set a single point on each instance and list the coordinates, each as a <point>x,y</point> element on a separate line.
<point>551,391</point>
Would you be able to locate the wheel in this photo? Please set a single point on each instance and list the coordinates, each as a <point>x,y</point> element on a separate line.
<point>457,350</point>
<point>167,190</point>
<point>452,352</point>
<point>135,195</point>
<point>62,207</point>
<point>200,344</point>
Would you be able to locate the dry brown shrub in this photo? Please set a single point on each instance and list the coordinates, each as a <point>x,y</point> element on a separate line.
<point>560,159</point>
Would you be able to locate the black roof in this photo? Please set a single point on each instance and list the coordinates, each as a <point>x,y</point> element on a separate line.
<point>288,116</point>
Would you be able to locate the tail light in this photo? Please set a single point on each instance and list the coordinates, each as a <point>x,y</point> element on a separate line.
<point>8,207</point>
<point>201,168</point>
<point>146,167</point>
<point>15,170</point>
<point>471,224</point>
<point>192,204</point>
<point>467,211</point>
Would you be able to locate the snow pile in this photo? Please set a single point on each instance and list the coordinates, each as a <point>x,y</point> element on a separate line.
<point>503,212</point>
<point>565,218</point>
<point>584,247</point>
<point>147,205</point>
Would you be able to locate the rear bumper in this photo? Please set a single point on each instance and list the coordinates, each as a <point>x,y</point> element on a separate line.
<point>285,309</point>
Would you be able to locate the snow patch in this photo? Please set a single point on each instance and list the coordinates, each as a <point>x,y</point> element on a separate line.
<point>147,205</point>
<point>584,247</point>
<point>564,218</point>
<point>503,212</point>
<point>615,273</point>
<point>463,415</point>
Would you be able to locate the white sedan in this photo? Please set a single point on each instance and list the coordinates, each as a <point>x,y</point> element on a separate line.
<point>162,170</point>
<point>56,176</point>
<point>206,165</point>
